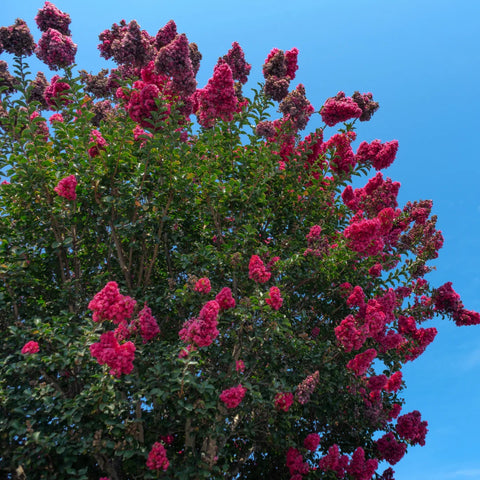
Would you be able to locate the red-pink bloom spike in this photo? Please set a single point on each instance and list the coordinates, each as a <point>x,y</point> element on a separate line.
<point>295,463</point>
<point>66,188</point>
<point>56,117</point>
<point>390,449</point>
<point>312,441</point>
<point>379,155</point>
<point>148,324</point>
<point>235,58</point>
<point>257,270</point>
<point>364,236</point>
<point>291,63</point>
<point>41,126</point>
<point>343,157</point>
<point>359,468</point>
<point>333,461</point>
<point>411,428</point>
<point>174,61</point>
<point>240,366</point>
<point>356,298</point>
<point>350,335</point>
<point>97,143</point>
<point>157,458</point>
<point>110,304</point>
<point>225,299</point>
<point>377,383</point>
<point>366,104</point>
<point>56,49</point>
<point>306,388</point>
<point>283,401</point>
<point>275,301</point>
<point>30,347</point>
<point>203,286</point>
<point>55,93</point>
<point>296,108</point>
<point>51,17</point>
<point>166,34</point>
<point>118,357</point>
<point>17,39</point>
<point>361,362</point>
<point>339,109</point>
<point>394,382</point>
<point>202,330</point>
<point>232,397</point>
<point>217,100</point>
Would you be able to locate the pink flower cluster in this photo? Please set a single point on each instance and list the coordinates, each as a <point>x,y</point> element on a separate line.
<point>296,109</point>
<point>232,397</point>
<point>55,93</point>
<point>66,187</point>
<point>17,39</point>
<point>359,468</point>
<point>275,301</point>
<point>361,362</point>
<point>203,286</point>
<point>110,304</point>
<point>295,464</point>
<point>30,347</point>
<point>174,60</point>
<point>394,382</point>
<point>356,467</point>
<point>118,357</point>
<point>257,270</point>
<point>419,339</point>
<point>339,109</point>
<point>350,334</point>
<point>51,17</point>
<point>127,44</point>
<point>367,236</point>
<point>390,449</point>
<point>166,34</point>
<point>202,330</point>
<point>56,49</point>
<point>217,100</point>
<point>139,135</point>
<point>448,301</point>
<point>411,428</point>
<point>225,299</point>
<point>279,69</point>
<point>343,158</point>
<point>97,143</point>
<point>366,103</point>
<point>141,100</point>
<point>157,458</point>
<point>240,366</point>
<point>41,126</point>
<point>379,155</point>
<point>235,59</point>
<point>56,117</point>
<point>314,233</point>
<point>283,401</point>
<point>334,461</point>
<point>374,197</point>
<point>306,388</point>
<point>148,324</point>
<point>312,441</point>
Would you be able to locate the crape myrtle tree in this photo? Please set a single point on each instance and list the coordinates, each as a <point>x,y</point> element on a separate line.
<point>192,289</point>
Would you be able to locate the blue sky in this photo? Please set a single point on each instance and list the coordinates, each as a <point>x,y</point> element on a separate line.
<point>420,59</point>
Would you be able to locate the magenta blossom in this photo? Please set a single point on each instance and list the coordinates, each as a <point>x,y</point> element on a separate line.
<point>66,188</point>
<point>30,347</point>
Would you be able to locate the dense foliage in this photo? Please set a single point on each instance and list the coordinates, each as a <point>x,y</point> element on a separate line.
<point>203,298</point>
